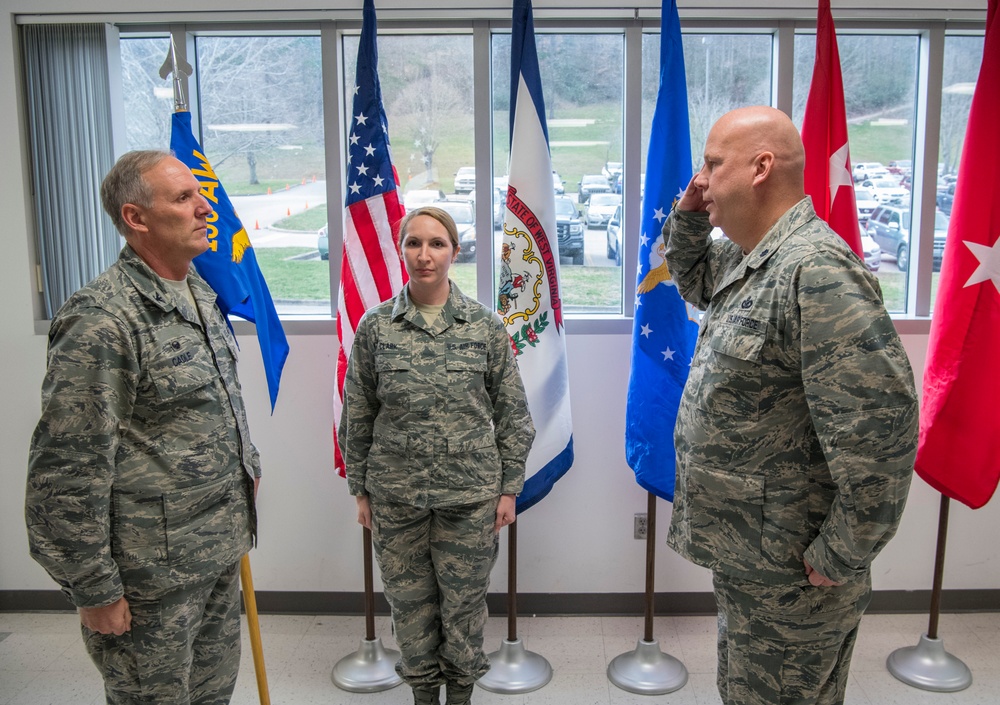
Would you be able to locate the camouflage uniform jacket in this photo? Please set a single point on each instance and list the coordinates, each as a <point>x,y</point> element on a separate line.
<point>139,470</point>
<point>436,415</point>
<point>797,428</point>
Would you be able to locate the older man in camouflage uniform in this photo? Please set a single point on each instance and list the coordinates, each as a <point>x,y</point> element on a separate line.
<point>141,478</point>
<point>435,432</point>
<point>797,429</point>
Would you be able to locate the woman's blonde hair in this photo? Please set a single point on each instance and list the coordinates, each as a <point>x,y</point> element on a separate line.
<point>440,215</point>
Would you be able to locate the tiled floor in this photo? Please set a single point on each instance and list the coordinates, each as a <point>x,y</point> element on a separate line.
<point>42,661</point>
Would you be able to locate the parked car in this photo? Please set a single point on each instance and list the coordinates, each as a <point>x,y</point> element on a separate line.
<point>872,252</point>
<point>887,191</point>
<point>569,230</point>
<point>592,183</point>
<point>615,236</point>
<point>600,208</point>
<point>945,197</point>
<point>558,185</point>
<point>611,170</point>
<point>499,200</point>
<point>464,215</point>
<point>421,197</point>
<point>861,169</point>
<point>901,167</point>
<point>889,226</point>
<point>323,242</point>
<point>865,201</point>
<point>465,179</point>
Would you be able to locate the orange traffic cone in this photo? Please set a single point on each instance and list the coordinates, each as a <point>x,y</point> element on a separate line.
<point>256,225</point>
<point>288,211</point>
<point>268,190</point>
<point>287,187</point>
<point>307,205</point>
<point>314,178</point>
<point>303,181</point>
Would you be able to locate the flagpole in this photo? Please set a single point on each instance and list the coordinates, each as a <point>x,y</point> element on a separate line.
<point>514,669</point>
<point>372,668</point>
<point>253,627</point>
<point>927,665</point>
<point>646,670</point>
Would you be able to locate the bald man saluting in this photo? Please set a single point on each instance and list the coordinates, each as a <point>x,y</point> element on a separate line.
<point>797,430</point>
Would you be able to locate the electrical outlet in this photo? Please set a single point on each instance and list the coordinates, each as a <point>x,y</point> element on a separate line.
<point>641,525</point>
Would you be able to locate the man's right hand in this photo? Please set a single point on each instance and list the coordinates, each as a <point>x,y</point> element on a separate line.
<point>692,200</point>
<point>110,619</point>
<point>364,511</point>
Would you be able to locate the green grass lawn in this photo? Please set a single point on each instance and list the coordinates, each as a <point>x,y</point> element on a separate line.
<point>294,279</point>
<point>309,220</point>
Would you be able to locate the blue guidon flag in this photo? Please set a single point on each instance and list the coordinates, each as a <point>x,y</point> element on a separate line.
<point>528,298</point>
<point>664,329</point>
<point>230,265</point>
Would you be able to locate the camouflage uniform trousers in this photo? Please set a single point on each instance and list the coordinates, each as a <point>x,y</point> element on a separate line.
<point>436,567</point>
<point>786,644</point>
<point>182,650</point>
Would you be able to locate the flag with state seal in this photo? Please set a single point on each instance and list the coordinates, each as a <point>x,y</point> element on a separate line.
<point>529,299</point>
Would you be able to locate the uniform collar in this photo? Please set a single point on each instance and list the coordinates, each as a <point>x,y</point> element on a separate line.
<point>456,308</point>
<point>149,284</point>
<point>793,219</point>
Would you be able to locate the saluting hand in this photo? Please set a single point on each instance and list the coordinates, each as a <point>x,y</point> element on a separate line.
<point>692,200</point>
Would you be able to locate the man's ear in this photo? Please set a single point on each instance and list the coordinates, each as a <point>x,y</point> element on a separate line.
<point>134,217</point>
<point>762,166</point>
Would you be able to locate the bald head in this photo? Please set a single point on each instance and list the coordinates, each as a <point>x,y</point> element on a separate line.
<point>759,129</point>
<point>753,172</point>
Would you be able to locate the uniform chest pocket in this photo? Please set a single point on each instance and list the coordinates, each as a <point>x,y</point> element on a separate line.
<point>393,369</point>
<point>735,375</point>
<point>180,363</point>
<point>467,382</point>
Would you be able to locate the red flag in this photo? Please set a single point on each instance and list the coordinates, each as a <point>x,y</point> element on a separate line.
<point>959,449</point>
<point>370,271</point>
<point>824,134</point>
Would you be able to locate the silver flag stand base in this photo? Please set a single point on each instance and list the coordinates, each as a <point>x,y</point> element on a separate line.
<point>370,669</point>
<point>647,670</point>
<point>929,667</point>
<point>514,669</point>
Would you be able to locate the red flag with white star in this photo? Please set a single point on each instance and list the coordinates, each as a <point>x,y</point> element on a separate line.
<point>824,134</point>
<point>959,450</point>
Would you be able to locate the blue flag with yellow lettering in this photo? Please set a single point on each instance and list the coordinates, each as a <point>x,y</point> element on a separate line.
<point>663,332</point>
<point>230,265</point>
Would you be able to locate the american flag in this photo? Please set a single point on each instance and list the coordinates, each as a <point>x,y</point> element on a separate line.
<point>370,270</point>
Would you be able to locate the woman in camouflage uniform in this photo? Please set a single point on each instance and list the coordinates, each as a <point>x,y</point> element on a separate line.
<point>435,431</point>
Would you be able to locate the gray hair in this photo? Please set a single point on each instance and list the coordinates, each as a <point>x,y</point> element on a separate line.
<point>125,184</point>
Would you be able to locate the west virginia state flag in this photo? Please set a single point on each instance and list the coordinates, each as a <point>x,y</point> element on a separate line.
<point>230,265</point>
<point>528,299</point>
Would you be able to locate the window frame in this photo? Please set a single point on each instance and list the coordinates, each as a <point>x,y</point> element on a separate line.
<point>331,26</point>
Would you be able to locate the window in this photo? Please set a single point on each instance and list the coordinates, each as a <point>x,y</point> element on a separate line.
<point>260,114</point>
<point>880,81</point>
<point>262,129</point>
<point>149,100</point>
<point>962,58</point>
<point>427,96</point>
<point>582,80</point>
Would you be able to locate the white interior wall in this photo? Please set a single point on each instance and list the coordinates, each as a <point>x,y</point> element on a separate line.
<point>577,540</point>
